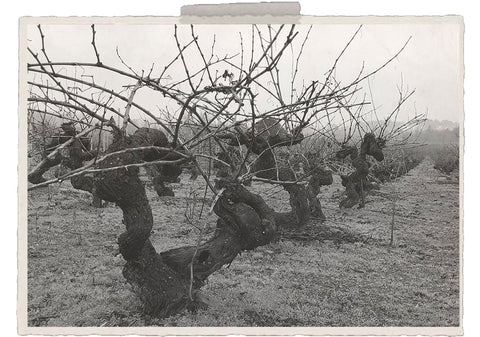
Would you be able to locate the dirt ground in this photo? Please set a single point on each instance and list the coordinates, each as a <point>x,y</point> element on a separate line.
<point>343,272</point>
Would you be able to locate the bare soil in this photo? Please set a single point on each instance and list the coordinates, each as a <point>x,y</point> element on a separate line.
<point>342,272</point>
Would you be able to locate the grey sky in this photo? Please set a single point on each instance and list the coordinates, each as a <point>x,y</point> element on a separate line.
<point>430,64</point>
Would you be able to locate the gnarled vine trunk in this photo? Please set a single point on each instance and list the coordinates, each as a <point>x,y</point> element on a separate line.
<point>162,174</point>
<point>356,182</point>
<point>303,200</point>
<point>163,281</point>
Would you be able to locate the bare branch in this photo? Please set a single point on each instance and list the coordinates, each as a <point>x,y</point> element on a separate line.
<point>126,117</point>
<point>97,55</point>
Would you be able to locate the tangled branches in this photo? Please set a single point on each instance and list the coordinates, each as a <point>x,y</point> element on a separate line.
<point>202,113</point>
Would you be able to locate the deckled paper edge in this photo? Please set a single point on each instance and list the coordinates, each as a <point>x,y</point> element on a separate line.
<point>211,331</point>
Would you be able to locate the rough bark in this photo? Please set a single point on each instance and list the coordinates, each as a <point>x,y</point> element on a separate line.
<point>168,282</point>
<point>36,177</point>
<point>319,177</point>
<point>71,157</point>
<point>303,200</point>
<point>159,287</point>
<point>162,175</point>
<point>77,153</point>
<point>162,281</point>
<point>356,183</point>
<point>232,159</point>
<point>245,222</point>
<point>53,156</point>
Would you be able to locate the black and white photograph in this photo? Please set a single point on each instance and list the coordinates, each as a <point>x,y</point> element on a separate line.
<point>266,174</point>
